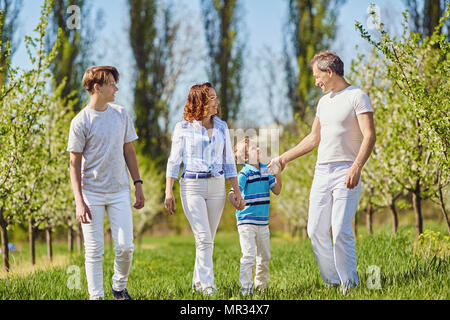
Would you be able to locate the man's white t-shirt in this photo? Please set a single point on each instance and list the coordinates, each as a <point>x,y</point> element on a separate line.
<point>100,136</point>
<point>340,135</point>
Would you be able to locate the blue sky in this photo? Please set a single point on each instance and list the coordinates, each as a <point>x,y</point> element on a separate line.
<point>262,20</point>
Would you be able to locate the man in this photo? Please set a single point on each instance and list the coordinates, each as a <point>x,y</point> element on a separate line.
<point>101,149</point>
<point>344,131</point>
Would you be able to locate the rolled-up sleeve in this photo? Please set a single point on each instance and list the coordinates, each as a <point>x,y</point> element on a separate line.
<point>176,153</point>
<point>229,164</point>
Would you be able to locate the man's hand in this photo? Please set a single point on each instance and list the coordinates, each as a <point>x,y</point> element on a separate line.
<point>83,212</point>
<point>353,175</point>
<point>140,199</point>
<point>169,203</point>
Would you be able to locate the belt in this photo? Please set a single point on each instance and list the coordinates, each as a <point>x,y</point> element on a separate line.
<point>198,175</point>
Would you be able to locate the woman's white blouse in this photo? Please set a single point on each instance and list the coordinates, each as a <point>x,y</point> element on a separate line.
<point>192,146</point>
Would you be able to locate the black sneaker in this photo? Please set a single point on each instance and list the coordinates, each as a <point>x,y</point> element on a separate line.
<point>121,295</point>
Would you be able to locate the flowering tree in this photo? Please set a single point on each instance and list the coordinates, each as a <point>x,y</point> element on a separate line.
<point>25,160</point>
<point>412,114</point>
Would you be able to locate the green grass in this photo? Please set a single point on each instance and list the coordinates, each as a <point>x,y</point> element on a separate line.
<point>162,269</point>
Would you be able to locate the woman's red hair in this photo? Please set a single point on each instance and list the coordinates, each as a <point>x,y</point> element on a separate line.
<point>196,107</point>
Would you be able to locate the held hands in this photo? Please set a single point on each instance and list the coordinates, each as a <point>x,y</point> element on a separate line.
<point>236,200</point>
<point>275,166</point>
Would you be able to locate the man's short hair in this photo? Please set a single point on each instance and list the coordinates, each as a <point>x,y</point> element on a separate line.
<point>98,75</point>
<point>327,59</point>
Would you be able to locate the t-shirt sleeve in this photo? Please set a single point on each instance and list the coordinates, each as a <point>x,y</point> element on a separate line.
<point>130,132</point>
<point>271,181</point>
<point>242,180</point>
<point>77,138</point>
<point>362,103</point>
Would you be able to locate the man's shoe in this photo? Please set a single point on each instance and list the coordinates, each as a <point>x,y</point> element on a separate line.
<point>121,295</point>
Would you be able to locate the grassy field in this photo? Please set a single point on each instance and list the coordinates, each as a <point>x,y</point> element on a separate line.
<point>162,269</point>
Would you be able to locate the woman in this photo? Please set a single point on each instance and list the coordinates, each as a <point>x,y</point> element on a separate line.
<point>202,142</point>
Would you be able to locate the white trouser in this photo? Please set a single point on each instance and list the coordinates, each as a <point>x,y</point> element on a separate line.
<point>255,246</point>
<point>203,201</point>
<point>332,204</point>
<point>118,207</point>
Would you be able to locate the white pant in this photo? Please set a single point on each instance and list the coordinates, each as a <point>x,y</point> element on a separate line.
<point>255,246</point>
<point>333,205</point>
<point>118,207</point>
<point>203,201</point>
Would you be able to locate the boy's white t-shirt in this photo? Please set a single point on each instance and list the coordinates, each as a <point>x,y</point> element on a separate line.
<point>100,136</point>
<point>340,135</point>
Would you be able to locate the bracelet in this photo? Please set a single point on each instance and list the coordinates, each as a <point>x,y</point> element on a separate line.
<point>142,182</point>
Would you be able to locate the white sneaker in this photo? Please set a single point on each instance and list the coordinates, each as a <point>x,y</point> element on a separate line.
<point>246,291</point>
<point>210,291</point>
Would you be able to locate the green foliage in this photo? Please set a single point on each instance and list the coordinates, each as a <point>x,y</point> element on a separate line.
<point>225,52</point>
<point>407,81</point>
<point>311,27</point>
<point>34,125</point>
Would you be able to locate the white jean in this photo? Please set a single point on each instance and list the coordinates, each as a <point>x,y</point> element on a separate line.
<point>255,246</point>
<point>203,201</point>
<point>118,207</point>
<point>332,204</point>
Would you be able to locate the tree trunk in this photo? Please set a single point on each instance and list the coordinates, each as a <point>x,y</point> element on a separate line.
<point>417,205</point>
<point>355,226</point>
<point>32,233</point>
<point>442,203</point>
<point>4,234</point>
<point>394,217</point>
<point>48,233</point>
<point>70,239</point>
<point>369,218</point>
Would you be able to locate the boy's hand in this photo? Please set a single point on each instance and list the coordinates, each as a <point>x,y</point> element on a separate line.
<point>239,204</point>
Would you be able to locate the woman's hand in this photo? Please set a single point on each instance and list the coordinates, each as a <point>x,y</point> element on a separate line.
<point>169,203</point>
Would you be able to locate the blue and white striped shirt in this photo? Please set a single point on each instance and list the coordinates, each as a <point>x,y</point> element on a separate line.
<point>255,188</point>
<point>192,146</point>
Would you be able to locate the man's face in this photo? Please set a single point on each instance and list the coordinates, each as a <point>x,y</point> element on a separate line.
<point>322,78</point>
<point>108,90</point>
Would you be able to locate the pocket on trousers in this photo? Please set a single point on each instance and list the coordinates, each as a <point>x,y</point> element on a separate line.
<point>345,193</point>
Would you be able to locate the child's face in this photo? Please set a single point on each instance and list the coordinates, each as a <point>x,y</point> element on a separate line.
<point>253,153</point>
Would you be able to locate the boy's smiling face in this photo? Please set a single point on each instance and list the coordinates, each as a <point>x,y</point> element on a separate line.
<point>253,153</point>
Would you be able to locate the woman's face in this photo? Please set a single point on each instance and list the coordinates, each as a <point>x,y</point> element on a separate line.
<point>213,102</point>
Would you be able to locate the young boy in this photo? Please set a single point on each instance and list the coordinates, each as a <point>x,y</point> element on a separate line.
<point>101,149</point>
<point>255,184</point>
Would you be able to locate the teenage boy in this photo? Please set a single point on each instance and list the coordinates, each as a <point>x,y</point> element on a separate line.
<point>101,149</point>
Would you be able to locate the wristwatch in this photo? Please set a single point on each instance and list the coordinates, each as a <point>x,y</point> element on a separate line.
<point>136,181</point>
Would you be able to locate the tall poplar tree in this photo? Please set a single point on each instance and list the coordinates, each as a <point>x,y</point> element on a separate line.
<point>9,12</point>
<point>225,52</point>
<point>152,36</point>
<point>310,28</point>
